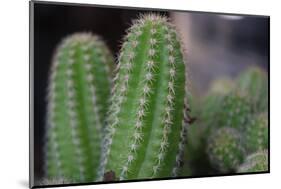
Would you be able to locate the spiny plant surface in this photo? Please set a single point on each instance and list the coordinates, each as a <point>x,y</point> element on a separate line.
<point>225,150</point>
<point>254,82</point>
<point>146,127</point>
<point>255,162</point>
<point>78,93</point>
<point>235,111</point>
<point>256,135</point>
<point>207,113</point>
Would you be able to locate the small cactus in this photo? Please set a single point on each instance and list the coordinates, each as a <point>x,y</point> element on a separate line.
<point>78,93</point>
<point>257,162</point>
<point>256,135</point>
<point>224,149</point>
<point>146,127</point>
<point>254,83</point>
<point>235,111</point>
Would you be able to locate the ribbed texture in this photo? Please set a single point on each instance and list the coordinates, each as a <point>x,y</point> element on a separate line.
<point>146,130</point>
<point>78,93</point>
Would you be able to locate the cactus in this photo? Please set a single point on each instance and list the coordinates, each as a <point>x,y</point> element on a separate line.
<point>224,149</point>
<point>256,162</point>
<point>254,83</point>
<point>78,93</point>
<point>207,110</point>
<point>256,135</point>
<point>146,129</point>
<point>235,111</point>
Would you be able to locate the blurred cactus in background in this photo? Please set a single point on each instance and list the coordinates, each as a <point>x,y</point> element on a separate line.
<point>78,93</point>
<point>256,135</point>
<point>254,83</point>
<point>257,162</point>
<point>232,124</point>
<point>225,150</point>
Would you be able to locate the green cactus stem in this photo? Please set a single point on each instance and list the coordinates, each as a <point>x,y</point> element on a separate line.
<point>256,135</point>
<point>254,82</point>
<point>78,93</point>
<point>146,127</point>
<point>257,162</point>
<point>224,149</point>
<point>235,111</point>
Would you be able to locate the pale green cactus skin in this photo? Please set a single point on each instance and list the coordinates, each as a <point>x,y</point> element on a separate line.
<point>225,150</point>
<point>254,82</point>
<point>235,111</point>
<point>256,135</point>
<point>256,162</point>
<point>78,93</point>
<point>146,127</point>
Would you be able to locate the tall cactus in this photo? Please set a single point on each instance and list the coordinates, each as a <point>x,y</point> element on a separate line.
<point>78,93</point>
<point>146,127</point>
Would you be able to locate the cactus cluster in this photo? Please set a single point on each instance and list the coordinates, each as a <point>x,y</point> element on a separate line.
<point>233,124</point>
<point>131,122</point>
<point>130,126</point>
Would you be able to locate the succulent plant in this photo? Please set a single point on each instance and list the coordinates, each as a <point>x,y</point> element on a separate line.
<point>148,118</point>
<point>254,83</point>
<point>256,162</point>
<point>78,93</point>
<point>235,111</point>
<point>225,150</point>
<point>256,135</point>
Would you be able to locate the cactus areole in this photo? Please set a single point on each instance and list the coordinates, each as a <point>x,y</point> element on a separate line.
<point>147,120</point>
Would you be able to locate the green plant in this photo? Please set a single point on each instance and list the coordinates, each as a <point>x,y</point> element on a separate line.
<point>256,135</point>
<point>254,83</point>
<point>78,93</point>
<point>225,150</point>
<point>234,112</point>
<point>146,129</point>
<point>256,162</point>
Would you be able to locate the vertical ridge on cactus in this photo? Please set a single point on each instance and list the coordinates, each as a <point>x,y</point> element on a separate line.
<point>79,86</point>
<point>145,137</point>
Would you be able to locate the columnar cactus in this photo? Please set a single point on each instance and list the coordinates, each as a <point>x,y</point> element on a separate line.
<point>256,162</point>
<point>146,127</point>
<point>256,135</point>
<point>254,83</point>
<point>225,150</point>
<point>78,93</point>
<point>234,112</point>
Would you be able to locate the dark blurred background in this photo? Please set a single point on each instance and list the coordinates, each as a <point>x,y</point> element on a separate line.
<point>216,45</point>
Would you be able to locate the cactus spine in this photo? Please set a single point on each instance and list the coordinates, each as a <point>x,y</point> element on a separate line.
<point>146,131</point>
<point>79,86</point>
